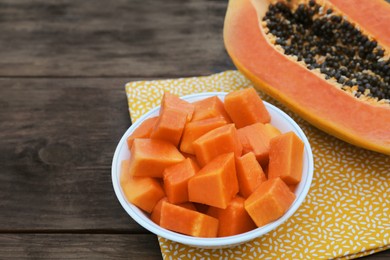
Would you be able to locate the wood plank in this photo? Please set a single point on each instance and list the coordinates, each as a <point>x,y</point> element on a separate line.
<point>57,140</point>
<point>82,246</point>
<point>91,246</point>
<point>384,255</point>
<point>119,38</point>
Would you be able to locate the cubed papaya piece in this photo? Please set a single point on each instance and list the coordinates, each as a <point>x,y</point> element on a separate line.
<point>286,158</point>
<point>208,108</point>
<point>124,175</point>
<point>269,201</point>
<point>272,130</point>
<point>216,183</point>
<point>255,138</point>
<point>245,107</point>
<point>155,216</point>
<point>170,125</point>
<point>142,131</point>
<point>176,180</point>
<point>249,174</point>
<point>149,157</point>
<point>156,213</point>
<point>234,219</point>
<point>218,141</point>
<point>194,130</point>
<point>188,222</point>
<point>174,102</point>
<point>144,192</point>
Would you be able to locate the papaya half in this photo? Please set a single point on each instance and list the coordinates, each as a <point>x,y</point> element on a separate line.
<point>328,61</point>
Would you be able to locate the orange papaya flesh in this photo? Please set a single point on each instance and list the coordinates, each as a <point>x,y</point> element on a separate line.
<point>186,221</point>
<point>144,192</point>
<point>124,175</point>
<point>293,84</point>
<point>245,107</point>
<point>195,129</point>
<point>174,102</point>
<point>374,20</point>
<point>269,201</point>
<point>155,216</point>
<point>272,130</point>
<point>209,108</point>
<point>256,138</point>
<point>234,219</point>
<point>170,125</point>
<point>149,157</point>
<point>218,141</point>
<point>286,158</point>
<point>142,131</point>
<point>176,180</point>
<point>216,183</point>
<point>249,174</point>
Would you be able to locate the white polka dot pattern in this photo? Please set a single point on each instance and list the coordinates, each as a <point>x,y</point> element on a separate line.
<point>346,213</point>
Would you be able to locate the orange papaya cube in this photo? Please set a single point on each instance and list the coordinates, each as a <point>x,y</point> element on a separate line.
<point>245,107</point>
<point>216,183</point>
<point>269,201</point>
<point>218,141</point>
<point>142,131</point>
<point>286,158</point>
<point>272,130</point>
<point>155,216</point>
<point>176,180</point>
<point>170,101</point>
<point>156,213</point>
<point>124,175</point>
<point>234,219</point>
<point>149,157</point>
<point>255,138</point>
<point>188,222</point>
<point>195,129</point>
<point>249,174</point>
<point>144,192</point>
<point>208,108</point>
<point>170,125</point>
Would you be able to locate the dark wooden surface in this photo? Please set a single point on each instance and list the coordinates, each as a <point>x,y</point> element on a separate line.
<point>63,66</point>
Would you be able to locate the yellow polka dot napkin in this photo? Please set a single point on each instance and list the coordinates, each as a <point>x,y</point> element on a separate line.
<point>346,213</point>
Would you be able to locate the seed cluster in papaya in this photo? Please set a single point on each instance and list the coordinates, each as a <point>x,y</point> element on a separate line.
<point>325,41</point>
<point>212,168</point>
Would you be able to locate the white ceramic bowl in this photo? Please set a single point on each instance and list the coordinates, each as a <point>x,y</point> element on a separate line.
<point>278,118</point>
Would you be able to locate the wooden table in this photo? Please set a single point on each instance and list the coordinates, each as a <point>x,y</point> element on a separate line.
<point>63,109</point>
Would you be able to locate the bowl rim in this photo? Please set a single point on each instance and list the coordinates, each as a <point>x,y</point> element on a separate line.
<point>139,216</point>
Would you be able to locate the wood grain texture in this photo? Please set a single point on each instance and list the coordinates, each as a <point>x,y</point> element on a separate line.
<point>79,246</point>
<point>57,140</point>
<point>116,38</point>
